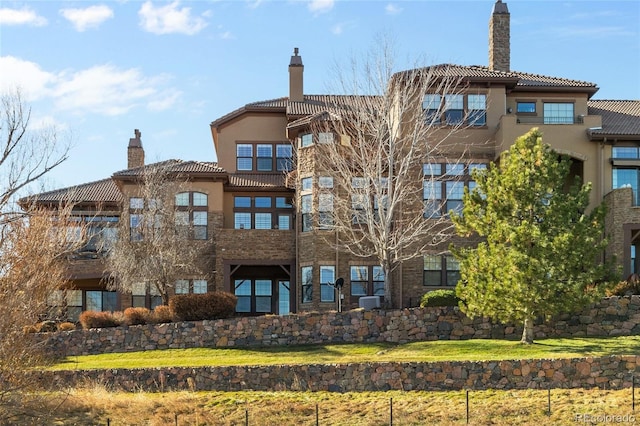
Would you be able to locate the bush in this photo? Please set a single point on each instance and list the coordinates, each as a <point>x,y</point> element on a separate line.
<point>137,316</point>
<point>627,287</point>
<point>161,314</point>
<point>66,326</point>
<point>439,298</point>
<point>46,327</point>
<point>96,319</point>
<point>207,306</point>
<point>28,329</point>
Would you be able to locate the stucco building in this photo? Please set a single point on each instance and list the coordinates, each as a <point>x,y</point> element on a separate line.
<point>251,201</point>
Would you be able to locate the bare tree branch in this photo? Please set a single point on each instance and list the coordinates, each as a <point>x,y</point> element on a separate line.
<point>384,134</point>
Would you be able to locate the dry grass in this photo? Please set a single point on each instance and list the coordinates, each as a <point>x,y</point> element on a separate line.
<point>95,405</point>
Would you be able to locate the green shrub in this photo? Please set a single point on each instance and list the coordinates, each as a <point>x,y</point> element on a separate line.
<point>96,319</point>
<point>161,314</point>
<point>137,316</point>
<point>207,306</point>
<point>439,298</point>
<point>66,326</point>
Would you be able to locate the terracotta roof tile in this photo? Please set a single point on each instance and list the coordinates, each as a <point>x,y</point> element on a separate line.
<point>619,117</point>
<point>105,191</point>
<point>255,180</point>
<point>175,166</point>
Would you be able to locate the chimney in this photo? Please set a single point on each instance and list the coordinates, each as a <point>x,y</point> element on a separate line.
<point>135,152</point>
<point>499,34</point>
<point>296,69</point>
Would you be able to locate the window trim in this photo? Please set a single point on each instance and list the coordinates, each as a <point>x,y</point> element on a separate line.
<point>276,210</point>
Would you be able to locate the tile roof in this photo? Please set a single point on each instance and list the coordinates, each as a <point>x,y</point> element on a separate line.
<point>175,166</point>
<point>104,190</point>
<point>255,180</point>
<point>520,79</point>
<point>619,118</point>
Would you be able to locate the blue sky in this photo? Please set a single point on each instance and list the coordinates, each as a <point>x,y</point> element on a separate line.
<point>98,70</point>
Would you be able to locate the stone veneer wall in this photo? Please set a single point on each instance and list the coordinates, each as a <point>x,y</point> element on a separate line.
<point>614,372</point>
<point>613,316</point>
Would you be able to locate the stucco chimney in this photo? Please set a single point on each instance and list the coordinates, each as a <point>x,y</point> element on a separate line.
<point>499,34</point>
<point>296,70</point>
<point>135,152</point>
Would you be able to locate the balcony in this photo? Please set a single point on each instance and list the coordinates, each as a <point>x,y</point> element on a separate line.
<point>579,119</point>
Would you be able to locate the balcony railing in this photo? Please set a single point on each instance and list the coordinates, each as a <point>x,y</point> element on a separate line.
<point>550,120</point>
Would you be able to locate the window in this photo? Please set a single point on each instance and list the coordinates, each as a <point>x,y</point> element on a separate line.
<point>626,174</point>
<point>440,271</point>
<point>558,113</point>
<point>306,140</point>
<point>327,276</point>
<point>264,154</point>
<point>74,304</point>
<point>265,160</point>
<point>367,281</point>
<point>284,157</point>
<point>244,157</point>
<point>325,211</point>
<point>443,193</point>
<point>243,293</point>
<point>455,109</point>
<point>477,105</point>
<point>306,282</point>
<point>325,137</point>
<point>526,107</point>
<point>259,212</point>
<point>306,210</point>
<point>306,184</point>
<point>191,214</point>
<point>191,286</point>
<point>101,301</point>
<point>431,107</point>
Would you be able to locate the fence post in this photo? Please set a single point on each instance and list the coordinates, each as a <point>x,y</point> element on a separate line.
<point>467,406</point>
<point>390,411</point>
<point>549,401</point>
<point>317,416</point>
<point>633,393</point>
<point>176,419</point>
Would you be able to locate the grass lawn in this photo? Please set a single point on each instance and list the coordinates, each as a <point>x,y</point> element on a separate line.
<point>96,406</point>
<point>444,350</point>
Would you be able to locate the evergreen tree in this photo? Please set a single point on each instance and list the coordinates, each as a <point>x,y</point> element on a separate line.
<point>540,251</point>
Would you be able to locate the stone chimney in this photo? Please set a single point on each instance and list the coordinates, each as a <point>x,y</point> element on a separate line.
<point>499,34</point>
<point>135,152</point>
<point>296,70</point>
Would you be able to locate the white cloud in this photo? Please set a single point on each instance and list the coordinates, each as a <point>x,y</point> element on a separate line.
<point>392,9</point>
<point>90,17</point>
<point>321,6</point>
<point>102,89</point>
<point>337,29</point>
<point>32,81</point>
<point>169,19</point>
<point>24,16</point>
<point>105,89</point>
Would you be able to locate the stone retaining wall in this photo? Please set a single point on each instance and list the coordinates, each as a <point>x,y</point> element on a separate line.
<point>610,317</point>
<point>613,372</point>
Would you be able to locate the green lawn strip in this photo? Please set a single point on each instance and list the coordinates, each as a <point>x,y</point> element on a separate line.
<point>444,350</point>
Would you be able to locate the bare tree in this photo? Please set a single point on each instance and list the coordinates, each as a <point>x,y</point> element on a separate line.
<point>33,269</point>
<point>387,131</point>
<point>33,249</point>
<point>158,243</point>
<point>27,154</point>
